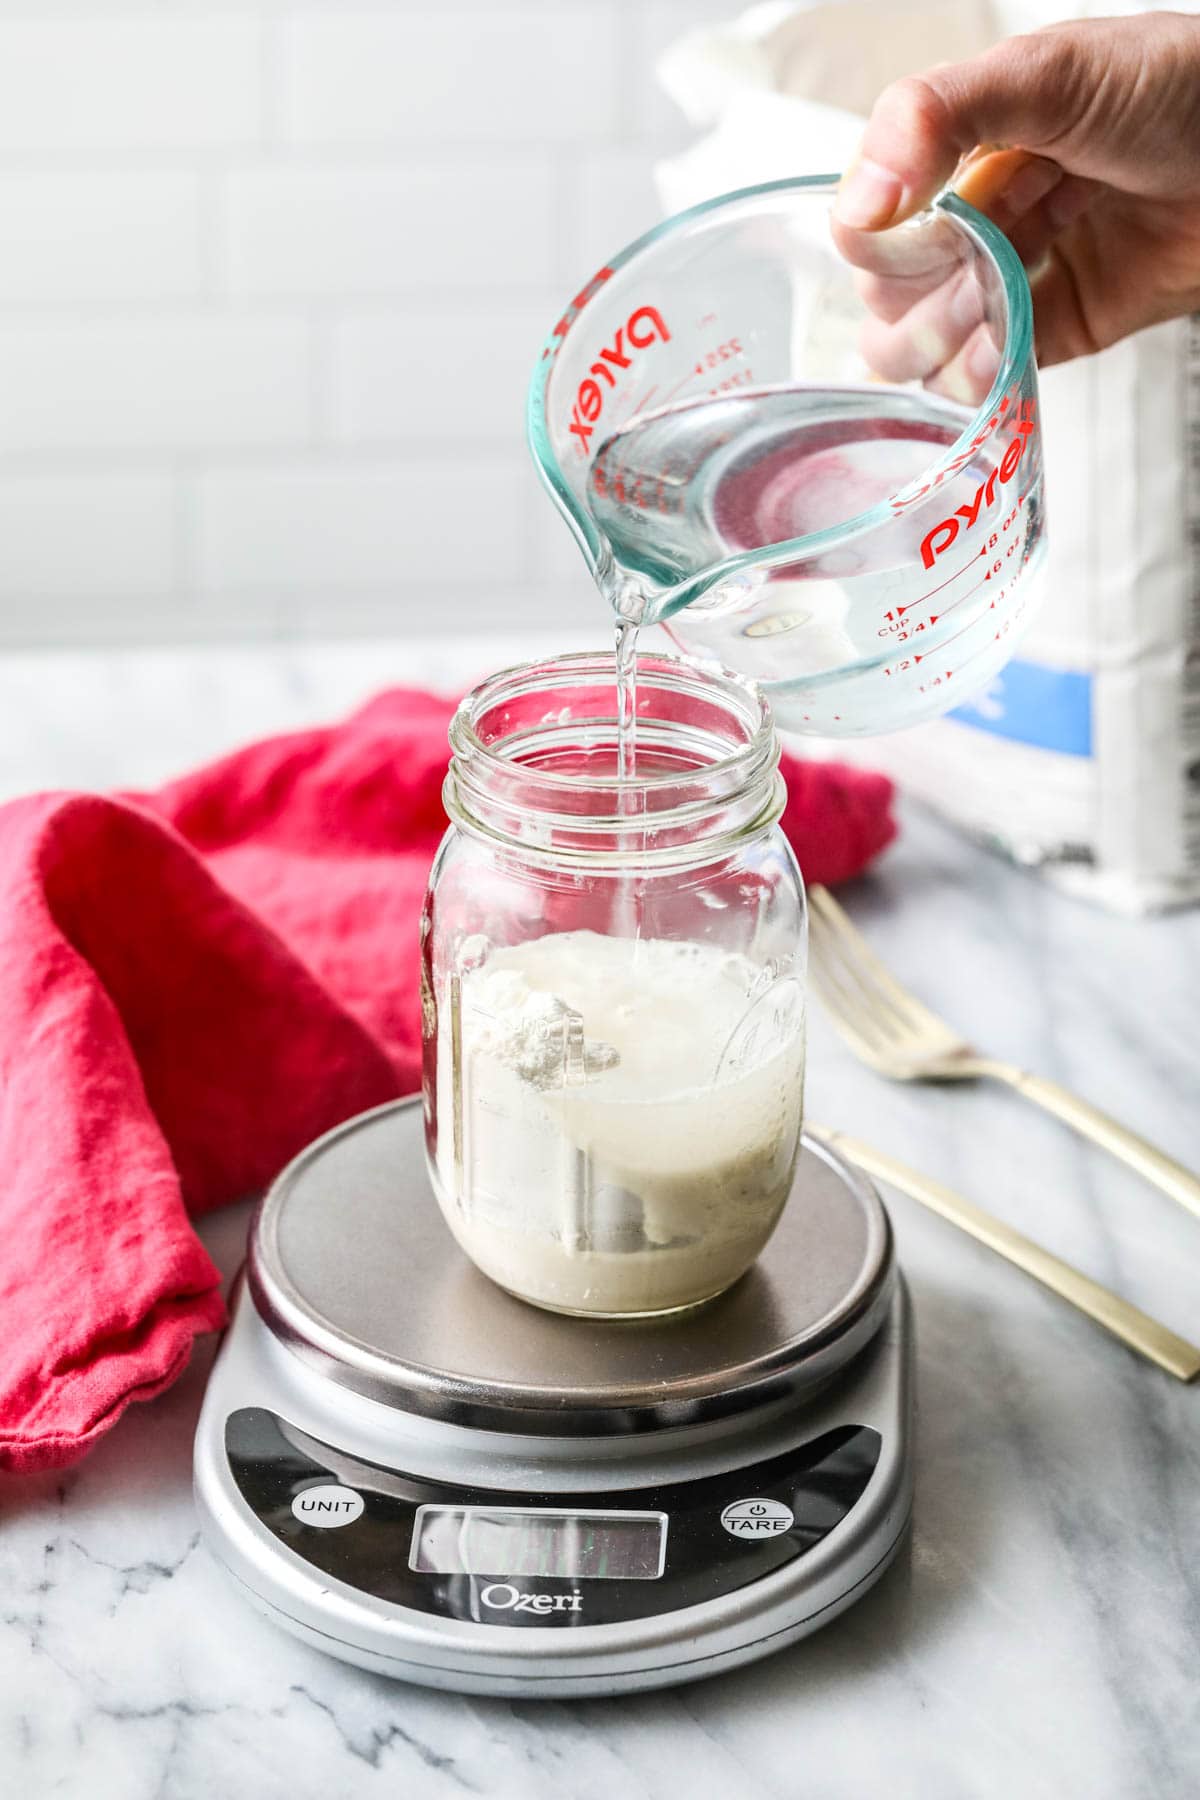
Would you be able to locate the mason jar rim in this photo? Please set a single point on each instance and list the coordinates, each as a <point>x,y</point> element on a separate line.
<point>721,801</point>
<point>556,671</point>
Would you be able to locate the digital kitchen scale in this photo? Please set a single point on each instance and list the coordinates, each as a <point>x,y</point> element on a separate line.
<point>410,1469</point>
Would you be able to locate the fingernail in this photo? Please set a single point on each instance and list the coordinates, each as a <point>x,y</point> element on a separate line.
<point>869,196</point>
<point>984,175</point>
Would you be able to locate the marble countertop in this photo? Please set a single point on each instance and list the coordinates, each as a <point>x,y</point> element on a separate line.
<point>1041,1636</point>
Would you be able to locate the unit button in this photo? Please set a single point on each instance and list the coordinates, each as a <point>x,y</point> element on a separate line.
<point>757,1518</point>
<point>328,1506</point>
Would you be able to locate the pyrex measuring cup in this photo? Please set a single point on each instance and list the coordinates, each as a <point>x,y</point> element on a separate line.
<point>812,453</point>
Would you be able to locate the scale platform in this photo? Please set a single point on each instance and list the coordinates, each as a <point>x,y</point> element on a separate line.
<point>412,1470</point>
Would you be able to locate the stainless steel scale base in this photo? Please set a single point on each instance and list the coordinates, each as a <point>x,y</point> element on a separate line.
<point>410,1469</point>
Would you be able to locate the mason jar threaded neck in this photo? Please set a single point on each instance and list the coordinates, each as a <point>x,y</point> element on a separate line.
<point>534,762</point>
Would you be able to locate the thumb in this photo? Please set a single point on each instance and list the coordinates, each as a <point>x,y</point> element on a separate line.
<point>1072,93</point>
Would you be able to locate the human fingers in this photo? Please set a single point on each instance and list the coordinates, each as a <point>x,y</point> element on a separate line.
<point>968,375</point>
<point>923,339</point>
<point>896,269</point>
<point>924,326</point>
<point>1103,99</point>
<point>1033,234</point>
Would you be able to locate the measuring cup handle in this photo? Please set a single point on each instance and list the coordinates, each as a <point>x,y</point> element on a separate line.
<point>1169,1176</point>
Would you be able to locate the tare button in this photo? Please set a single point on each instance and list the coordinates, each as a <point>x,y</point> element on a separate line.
<point>757,1518</point>
<point>328,1506</point>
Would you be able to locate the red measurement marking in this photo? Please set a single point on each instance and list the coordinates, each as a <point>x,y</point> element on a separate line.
<point>926,654</point>
<point>930,592</point>
<point>712,359</point>
<point>947,610</point>
<point>744,378</point>
<point>671,393</point>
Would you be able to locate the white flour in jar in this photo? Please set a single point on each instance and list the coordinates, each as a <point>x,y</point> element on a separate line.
<point>629,1122</point>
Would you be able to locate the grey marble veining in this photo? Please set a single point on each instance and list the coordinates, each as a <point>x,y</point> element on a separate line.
<point>1042,1635</point>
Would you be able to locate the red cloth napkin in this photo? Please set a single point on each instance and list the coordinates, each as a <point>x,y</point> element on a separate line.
<point>195,983</point>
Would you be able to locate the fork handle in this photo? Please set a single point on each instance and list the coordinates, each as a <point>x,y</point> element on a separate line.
<point>1161,1170</point>
<point>1133,1327</point>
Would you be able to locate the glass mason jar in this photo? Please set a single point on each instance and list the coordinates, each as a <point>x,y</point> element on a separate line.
<point>613,987</point>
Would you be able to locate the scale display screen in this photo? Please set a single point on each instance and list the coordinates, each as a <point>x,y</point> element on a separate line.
<point>501,1540</point>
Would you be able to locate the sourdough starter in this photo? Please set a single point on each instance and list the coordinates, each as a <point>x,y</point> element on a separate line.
<point>630,1118</point>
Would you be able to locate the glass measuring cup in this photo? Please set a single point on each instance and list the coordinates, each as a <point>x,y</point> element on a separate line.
<point>813,454</point>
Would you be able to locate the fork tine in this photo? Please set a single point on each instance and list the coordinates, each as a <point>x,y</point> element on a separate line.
<point>857,1013</point>
<point>850,1016</point>
<point>857,992</point>
<point>849,943</point>
<point>868,1050</point>
<point>857,954</point>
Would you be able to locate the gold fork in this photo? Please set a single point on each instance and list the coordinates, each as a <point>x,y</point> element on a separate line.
<point>890,1030</point>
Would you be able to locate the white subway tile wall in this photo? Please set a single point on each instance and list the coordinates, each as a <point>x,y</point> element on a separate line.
<point>158,383</point>
<point>272,279</point>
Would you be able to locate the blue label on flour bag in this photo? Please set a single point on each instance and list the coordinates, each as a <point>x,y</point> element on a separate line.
<point>1051,708</point>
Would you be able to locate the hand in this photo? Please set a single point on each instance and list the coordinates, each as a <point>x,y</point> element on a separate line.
<point>1098,188</point>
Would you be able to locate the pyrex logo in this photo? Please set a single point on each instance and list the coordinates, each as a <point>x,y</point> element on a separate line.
<point>642,328</point>
<point>946,530</point>
<point>502,1596</point>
